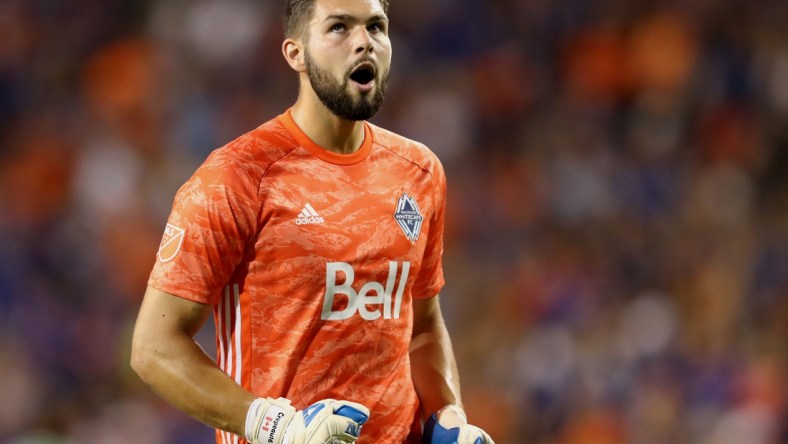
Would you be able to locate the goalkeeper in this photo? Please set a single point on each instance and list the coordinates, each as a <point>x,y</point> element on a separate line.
<point>315,240</point>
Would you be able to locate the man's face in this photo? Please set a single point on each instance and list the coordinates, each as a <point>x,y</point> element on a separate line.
<point>347,55</point>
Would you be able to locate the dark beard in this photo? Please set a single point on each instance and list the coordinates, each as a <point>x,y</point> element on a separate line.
<point>337,99</point>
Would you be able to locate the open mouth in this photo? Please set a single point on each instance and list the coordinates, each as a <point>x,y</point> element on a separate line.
<point>363,74</point>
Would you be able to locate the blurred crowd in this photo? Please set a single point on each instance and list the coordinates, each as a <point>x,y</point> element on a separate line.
<point>617,234</point>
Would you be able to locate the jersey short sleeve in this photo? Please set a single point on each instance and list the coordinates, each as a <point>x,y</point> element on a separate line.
<point>430,280</point>
<point>214,215</point>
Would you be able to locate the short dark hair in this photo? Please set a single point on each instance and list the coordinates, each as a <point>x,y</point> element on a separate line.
<point>298,12</point>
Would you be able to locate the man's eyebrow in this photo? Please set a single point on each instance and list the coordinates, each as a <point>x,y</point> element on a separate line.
<point>378,18</point>
<point>348,17</point>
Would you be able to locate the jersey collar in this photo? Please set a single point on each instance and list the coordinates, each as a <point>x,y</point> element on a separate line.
<point>321,153</point>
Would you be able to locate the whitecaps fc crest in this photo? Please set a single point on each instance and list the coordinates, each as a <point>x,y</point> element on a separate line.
<point>408,217</point>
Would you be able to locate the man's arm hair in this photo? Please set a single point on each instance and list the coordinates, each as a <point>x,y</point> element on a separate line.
<point>433,366</point>
<point>166,357</point>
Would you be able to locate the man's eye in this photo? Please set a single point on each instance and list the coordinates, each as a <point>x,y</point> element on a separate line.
<point>337,27</point>
<point>376,27</point>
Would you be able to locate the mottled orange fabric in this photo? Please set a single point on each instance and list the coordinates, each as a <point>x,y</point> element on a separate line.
<point>281,236</point>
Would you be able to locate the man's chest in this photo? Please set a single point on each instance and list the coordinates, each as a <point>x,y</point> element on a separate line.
<point>347,213</point>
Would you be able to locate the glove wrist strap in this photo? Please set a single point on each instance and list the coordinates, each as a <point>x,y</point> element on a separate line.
<point>270,416</point>
<point>251,416</point>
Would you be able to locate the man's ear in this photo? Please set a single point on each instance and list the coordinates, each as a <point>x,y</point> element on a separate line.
<point>293,51</point>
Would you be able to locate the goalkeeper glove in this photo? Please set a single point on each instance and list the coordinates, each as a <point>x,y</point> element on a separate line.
<point>435,433</point>
<point>275,421</point>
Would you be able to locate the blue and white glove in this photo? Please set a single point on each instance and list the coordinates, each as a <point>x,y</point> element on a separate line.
<point>455,433</point>
<point>275,421</point>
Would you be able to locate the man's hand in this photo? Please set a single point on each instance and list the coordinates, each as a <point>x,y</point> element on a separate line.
<point>275,421</point>
<point>449,426</point>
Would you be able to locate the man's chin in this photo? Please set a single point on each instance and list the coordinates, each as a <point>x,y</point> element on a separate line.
<point>355,105</point>
<point>362,113</point>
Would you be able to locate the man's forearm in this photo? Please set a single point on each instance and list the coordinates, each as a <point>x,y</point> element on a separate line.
<point>433,366</point>
<point>180,372</point>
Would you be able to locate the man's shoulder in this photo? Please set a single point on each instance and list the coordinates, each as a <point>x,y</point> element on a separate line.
<point>409,149</point>
<point>257,149</point>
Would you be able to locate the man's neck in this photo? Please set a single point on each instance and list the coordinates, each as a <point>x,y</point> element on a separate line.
<point>326,128</point>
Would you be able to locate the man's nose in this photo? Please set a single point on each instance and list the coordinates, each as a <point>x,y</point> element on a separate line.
<point>363,41</point>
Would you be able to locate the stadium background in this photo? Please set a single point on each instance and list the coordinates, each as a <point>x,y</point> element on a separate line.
<point>617,239</point>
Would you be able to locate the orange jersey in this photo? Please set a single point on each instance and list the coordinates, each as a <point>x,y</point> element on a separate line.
<point>311,260</point>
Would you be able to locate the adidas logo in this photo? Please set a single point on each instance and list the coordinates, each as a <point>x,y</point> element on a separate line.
<point>309,216</point>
